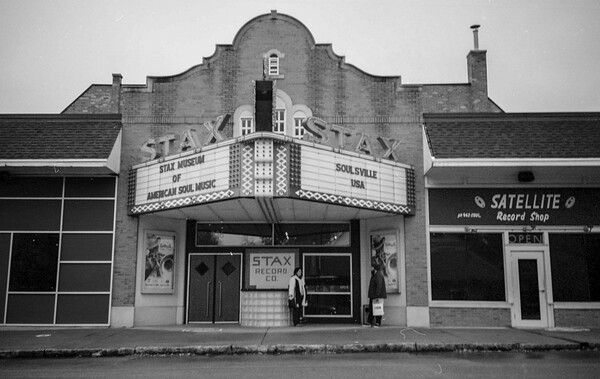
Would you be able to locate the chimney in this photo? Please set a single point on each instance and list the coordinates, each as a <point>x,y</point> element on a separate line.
<point>477,73</point>
<point>475,29</point>
<point>115,100</point>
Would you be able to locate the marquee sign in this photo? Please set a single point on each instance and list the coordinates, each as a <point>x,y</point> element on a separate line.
<point>181,180</point>
<point>266,164</point>
<point>353,180</point>
<point>514,206</point>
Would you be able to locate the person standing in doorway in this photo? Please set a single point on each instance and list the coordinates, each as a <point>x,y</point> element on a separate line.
<point>376,291</point>
<point>297,295</point>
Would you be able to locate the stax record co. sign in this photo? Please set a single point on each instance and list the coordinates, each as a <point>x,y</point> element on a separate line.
<point>265,164</point>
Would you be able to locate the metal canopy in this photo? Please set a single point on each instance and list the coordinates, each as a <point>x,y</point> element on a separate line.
<point>270,210</point>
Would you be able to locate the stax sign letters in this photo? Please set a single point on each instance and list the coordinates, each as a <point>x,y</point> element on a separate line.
<point>318,131</point>
<point>337,136</point>
<point>189,139</point>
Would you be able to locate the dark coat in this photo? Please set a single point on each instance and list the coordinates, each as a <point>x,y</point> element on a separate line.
<point>377,286</point>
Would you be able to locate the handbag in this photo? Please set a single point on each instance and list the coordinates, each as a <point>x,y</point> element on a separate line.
<point>291,303</point>
<point>377,307</point>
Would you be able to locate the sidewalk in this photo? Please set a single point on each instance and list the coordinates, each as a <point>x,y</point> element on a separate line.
<point>21,342</point>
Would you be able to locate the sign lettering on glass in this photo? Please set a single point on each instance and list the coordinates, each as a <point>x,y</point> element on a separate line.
<point>526,238</point>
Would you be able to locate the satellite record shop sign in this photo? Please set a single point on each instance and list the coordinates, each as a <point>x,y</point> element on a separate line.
<point>517,206</point>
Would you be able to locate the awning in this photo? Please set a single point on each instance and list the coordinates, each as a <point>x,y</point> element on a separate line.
<point>71,144</point>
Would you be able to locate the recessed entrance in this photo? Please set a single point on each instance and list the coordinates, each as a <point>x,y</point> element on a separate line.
<point>530,307</point>
<point>214,288</point>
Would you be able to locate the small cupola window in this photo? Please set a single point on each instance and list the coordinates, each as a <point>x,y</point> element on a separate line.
<point>272,64</point>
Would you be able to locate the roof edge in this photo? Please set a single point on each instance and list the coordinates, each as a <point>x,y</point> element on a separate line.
<point>62,116</point>
<point>504,116</point>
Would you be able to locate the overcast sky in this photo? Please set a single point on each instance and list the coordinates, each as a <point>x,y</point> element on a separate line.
<point>543,55</point>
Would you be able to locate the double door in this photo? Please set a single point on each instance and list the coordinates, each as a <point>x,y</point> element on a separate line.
<point>214,288</point>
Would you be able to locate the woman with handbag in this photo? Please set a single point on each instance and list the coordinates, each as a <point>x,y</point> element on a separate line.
<point>376,295</point>
<point>297,295</point>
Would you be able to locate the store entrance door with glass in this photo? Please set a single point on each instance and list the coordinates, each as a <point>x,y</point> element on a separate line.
<point>530,307</point>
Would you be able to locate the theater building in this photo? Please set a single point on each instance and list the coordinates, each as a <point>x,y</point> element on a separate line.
<point>191,198</point>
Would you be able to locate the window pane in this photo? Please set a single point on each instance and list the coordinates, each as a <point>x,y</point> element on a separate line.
<point>528,289</point>
<point>88,215</point>
<point>30,215</point>
<point>86,247</point>
<point>30,309</point>
<point>34,262</point>
<point>4,254</point>
<point>575,262</point>
<point>223,234</point>
<point>246,126</point>
<point>321,305</point>
<point>327,273</point>
<point>467,267</point>
<point>279,126</point>
<point>312,234</point>
<point>273,65</point>
<point>298,128</point>
<point>82,309</point>
<point>31,187</point>
<point>84,278</point>
<point>90,187</point>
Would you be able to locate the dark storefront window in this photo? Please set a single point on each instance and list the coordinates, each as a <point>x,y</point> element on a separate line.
<point>89,187</point>
<point>575,261</point>
<point>81,215</point>
<point>34,262</point>
<point>223,234</point>
<point>32,187</point>
<point>34,214</point>
<point>307,234</point>
<point>58,274</point>
<point>284,234</point>
<point>467,267</point>
<point>328,284</point>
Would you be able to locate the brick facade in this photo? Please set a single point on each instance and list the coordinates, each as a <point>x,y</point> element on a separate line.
<point>470,317</point>
<point>576,318</point>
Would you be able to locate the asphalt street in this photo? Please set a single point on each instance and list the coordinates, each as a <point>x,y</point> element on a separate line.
<point>549,364</point>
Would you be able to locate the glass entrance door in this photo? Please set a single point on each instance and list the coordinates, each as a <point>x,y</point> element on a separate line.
<point>530,306</point>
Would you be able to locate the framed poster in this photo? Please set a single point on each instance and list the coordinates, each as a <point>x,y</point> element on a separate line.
<point>384,251</point>
<point>159,265</point>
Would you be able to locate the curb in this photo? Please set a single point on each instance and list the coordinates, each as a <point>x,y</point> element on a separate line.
<point>296,349</point>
